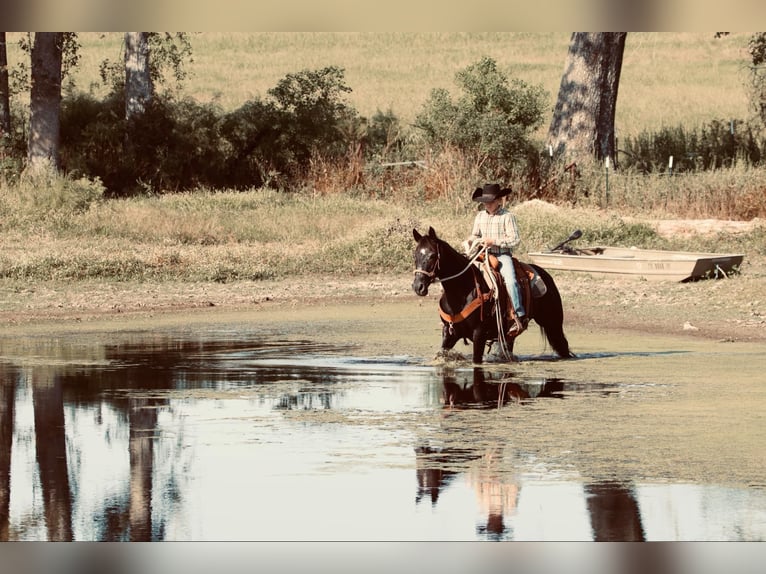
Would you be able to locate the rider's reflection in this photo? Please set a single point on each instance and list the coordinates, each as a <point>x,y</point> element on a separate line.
<point>497,496</point>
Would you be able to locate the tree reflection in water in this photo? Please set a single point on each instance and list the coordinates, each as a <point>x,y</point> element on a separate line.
<point>189,439</point>
<point>113,395</point>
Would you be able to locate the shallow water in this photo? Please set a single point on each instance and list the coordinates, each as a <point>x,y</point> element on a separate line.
<point>254,434</point>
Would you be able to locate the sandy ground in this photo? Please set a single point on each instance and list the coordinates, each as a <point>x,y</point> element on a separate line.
<point>731,309</point>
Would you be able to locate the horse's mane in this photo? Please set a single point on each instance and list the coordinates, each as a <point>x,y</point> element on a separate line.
<point>451,250</point>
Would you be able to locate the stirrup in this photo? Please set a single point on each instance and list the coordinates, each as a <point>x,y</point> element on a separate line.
<point>519,325</point>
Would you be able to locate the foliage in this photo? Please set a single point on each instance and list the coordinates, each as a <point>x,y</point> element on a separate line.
<point>312,101</point>
<point>492,120</point>
<point>169,52</point>
<point>714,145</point>
<point>756,47</point>
<point>183,144</point>
<point>19,75</point>
<point>179,144</point>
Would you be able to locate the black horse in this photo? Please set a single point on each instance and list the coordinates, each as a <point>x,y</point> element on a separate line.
<point>467,307</point>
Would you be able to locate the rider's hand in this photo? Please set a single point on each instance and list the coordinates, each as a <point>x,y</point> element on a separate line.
<point>488,242</point>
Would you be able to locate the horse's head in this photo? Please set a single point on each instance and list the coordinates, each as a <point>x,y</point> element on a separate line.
<point>426,261</point>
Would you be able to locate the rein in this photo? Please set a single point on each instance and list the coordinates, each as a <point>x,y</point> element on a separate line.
<point>432,273</point>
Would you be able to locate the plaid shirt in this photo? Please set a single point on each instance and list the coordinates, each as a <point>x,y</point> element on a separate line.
<point>501,226</point>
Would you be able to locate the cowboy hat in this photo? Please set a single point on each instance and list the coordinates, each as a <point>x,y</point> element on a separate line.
<point>490,192</point>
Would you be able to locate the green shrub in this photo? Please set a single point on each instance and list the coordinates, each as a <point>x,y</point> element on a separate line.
<point>179,145</point>
<point>312,101</point>
<point>492,120</point>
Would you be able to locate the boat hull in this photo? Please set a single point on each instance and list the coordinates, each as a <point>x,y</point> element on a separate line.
<point>643,263</point>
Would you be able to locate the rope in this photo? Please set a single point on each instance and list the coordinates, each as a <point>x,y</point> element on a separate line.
<point>467,267</point>
<point>501,340</point>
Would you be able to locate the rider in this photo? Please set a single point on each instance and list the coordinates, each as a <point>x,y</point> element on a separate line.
<point>496,227</point>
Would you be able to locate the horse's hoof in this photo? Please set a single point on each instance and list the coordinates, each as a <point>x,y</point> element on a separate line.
<point>448,355</point>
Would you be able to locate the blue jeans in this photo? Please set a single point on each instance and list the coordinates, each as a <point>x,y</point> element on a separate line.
<point>508,272</point>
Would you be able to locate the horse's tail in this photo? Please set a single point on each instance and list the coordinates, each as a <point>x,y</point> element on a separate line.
<point>549,314</point>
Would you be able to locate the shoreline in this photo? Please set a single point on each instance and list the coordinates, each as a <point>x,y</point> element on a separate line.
<point>714,309</point>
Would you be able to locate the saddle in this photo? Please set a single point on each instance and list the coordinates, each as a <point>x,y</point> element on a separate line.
<point>531,284</point>
<point>532,287</point>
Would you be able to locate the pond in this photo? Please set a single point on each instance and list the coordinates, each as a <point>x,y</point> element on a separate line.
<point>227,433</point>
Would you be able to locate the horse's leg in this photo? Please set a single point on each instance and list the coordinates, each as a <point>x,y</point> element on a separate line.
<point>479,342</point>
<point>449,337</point>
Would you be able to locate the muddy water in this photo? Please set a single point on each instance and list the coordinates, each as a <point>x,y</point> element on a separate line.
<point>335,423</point>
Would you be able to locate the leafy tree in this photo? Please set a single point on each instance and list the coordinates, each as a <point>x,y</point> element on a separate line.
<point>491,121</point>
<point>313,101</point>
<point>169,52</point>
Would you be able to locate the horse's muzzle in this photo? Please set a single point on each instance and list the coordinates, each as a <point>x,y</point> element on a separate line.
<point>420,286</point>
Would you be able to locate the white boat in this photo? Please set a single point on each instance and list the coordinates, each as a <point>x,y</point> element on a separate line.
<point>644,263</point>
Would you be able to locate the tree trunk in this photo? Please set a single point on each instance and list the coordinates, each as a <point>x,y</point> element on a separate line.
<point>138,80</point>
<point>51,449</point>
<point>5,105</point>
<point>142,417</point>
<point>45,101</point>
<point>7,409</point>
<point>583,120</point>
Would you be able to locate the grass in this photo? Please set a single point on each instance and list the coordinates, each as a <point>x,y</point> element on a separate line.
<point>667,78</point>
<point>261,234</point>
<point>62,229</point>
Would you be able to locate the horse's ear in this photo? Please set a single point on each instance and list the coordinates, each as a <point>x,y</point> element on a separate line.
<point>416,235</point>
<point>431,233</point>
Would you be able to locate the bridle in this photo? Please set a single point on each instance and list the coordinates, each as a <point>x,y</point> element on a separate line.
<point>477,302</point>
<point>432,273</point>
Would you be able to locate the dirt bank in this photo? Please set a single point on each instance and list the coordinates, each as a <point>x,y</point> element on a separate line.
<point>725,309</point>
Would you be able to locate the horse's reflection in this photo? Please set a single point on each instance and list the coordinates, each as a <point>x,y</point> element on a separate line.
<point>432,476</point>
<point>479,393</point>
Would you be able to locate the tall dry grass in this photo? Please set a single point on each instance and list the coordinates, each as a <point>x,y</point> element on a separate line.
<point>262,234</point>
